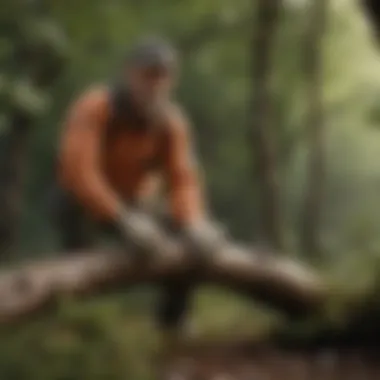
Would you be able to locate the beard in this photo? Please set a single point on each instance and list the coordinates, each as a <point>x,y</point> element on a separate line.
<point>153,110</point>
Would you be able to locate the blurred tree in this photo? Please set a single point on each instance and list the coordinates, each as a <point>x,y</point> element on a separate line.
<point>31,63</point>
<point>262,128</point>
<point>314,124</point>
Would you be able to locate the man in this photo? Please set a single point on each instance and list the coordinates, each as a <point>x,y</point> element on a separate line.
<point>116,145</point>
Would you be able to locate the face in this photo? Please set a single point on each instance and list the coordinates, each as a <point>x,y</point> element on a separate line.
<point>150,89</point>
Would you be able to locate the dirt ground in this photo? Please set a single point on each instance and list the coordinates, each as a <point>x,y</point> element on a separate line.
<point>245,361</point>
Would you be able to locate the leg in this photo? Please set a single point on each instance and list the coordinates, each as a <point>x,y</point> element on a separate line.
<point>176,295</point>
<point>171,313</point>
<point>173,304</point>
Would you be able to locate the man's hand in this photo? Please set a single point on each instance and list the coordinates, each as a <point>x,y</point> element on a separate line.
<point>204,238</point>
<point>140,231</point>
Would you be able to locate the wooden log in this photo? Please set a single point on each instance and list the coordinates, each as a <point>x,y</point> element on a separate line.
<point>277,281</point>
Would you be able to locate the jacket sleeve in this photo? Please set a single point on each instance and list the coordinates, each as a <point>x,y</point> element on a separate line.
<point>182,176</point>
<point>80,149</point>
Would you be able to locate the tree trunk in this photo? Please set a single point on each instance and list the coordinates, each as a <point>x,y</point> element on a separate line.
<point>39,62</point>
<point>276,281</point>
<point>262,129</point>
<point>313,55</point>
<point>372,10</point>
<point>12,172</point>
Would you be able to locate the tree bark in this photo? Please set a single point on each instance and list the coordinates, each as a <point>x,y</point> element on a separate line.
<point>281,283</point>
<point>313,202</point>
<point>262,129</point>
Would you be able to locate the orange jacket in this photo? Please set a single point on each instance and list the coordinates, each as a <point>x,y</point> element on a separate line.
<point>104,168</point>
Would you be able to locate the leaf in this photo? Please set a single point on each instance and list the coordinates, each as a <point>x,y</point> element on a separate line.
<point>27,97</point>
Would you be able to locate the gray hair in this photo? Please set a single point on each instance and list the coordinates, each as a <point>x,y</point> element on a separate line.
<point>153,51</point>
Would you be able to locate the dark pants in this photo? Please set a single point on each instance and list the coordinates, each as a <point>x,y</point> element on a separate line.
<point>77,231</point>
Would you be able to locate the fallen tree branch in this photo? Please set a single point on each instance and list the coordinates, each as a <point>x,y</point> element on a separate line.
<point>277,281</point>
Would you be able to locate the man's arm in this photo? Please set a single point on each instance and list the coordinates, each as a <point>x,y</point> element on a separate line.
<point>80,155</point>
<point>185,190</point>
<point>81,172</point>
<point>202,236</point>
